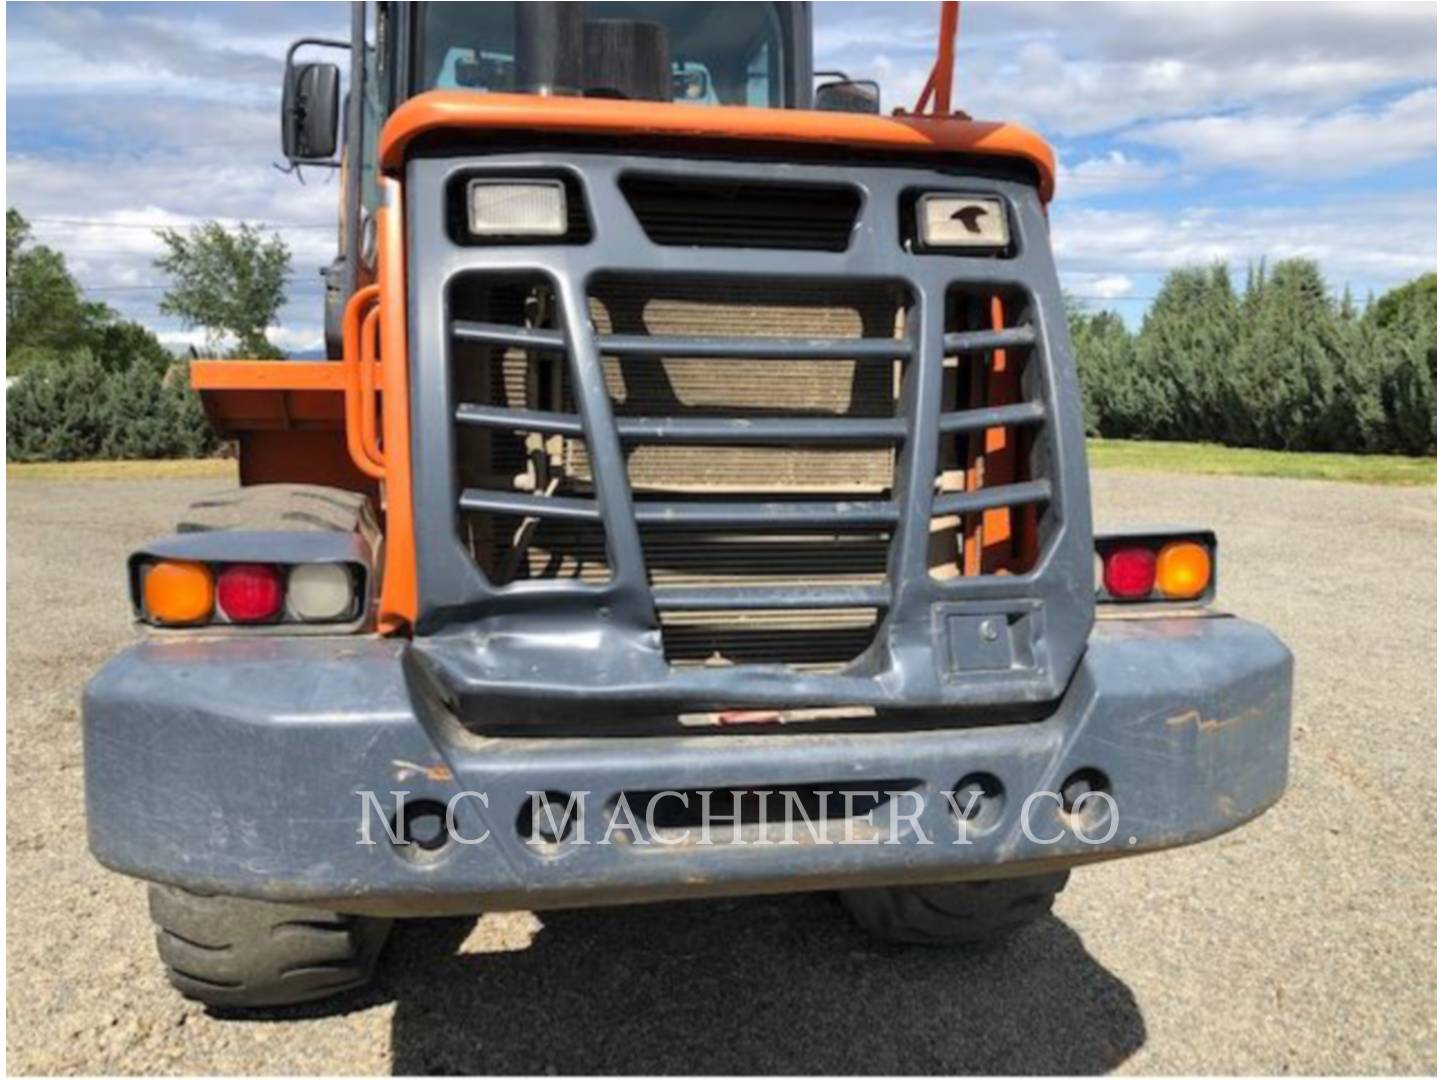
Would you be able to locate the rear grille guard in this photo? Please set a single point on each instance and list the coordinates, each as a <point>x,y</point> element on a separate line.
<point>555,644</point>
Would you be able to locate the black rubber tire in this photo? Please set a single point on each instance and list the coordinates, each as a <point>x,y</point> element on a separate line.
<point>958,913</point>
<point>232,953</point>
<point>282,508</point>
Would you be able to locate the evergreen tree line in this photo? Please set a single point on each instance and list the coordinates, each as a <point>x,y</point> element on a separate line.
<point>83,383</point>
<point>1280,365</point>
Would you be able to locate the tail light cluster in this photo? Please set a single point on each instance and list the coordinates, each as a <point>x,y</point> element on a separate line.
<point>1165,568</point>
<point>178,592</point>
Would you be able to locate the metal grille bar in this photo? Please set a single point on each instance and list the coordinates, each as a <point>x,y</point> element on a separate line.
<point>766,515</point>
<point>1027,412</point>
<point>504,419</point>
<point>741,348</point>
<point>757,598</point>
<point>969,502</point>
<point>1011,337</point>
<point>726,431</point>
<point>519,337</point>
<point>557,507</point>
<point>699,430</point>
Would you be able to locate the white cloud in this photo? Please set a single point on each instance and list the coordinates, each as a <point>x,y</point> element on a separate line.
<point>1098,286</point>
<point>1392,241</point>
<point>289,339</point>
<point>1073,69</point>
<point>1107,174</point>
<point>1349,142</point>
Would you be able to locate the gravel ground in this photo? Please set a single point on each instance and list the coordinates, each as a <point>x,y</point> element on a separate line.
<point>1304,942</point>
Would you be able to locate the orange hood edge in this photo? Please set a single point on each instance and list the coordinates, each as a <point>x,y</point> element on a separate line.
<point>595,116</point>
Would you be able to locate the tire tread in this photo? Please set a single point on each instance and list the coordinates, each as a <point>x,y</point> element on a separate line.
<point>966,912</point>
<point>252,954</point>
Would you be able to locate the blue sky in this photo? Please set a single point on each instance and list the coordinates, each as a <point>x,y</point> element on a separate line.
<point>1186,132</point>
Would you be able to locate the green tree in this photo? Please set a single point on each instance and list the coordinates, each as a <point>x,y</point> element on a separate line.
<point>1116,401</point>
<point>47,318</point>
<point>229,282</point>
<point>1298,382</point>
<point>1404,321</point>
<point>123,346</point>
<point>1185,355</point>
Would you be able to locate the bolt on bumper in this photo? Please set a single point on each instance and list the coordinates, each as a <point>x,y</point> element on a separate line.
<point>242,766</point>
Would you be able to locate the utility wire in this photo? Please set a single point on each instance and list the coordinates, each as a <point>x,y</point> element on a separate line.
<point>305,279</point>
<point>99,223</point>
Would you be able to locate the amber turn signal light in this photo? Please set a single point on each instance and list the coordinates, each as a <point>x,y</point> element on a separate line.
<point>1182,570</point>
<point>178,593</point>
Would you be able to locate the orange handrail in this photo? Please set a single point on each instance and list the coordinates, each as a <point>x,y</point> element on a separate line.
<point>369,437</point>
<point>356,311</point>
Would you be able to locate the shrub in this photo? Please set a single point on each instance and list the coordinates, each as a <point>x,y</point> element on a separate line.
<point>76,410</point>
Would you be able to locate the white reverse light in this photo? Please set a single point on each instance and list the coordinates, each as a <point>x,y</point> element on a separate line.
<point>517,208</point>
<point>321,592</point>
<point>963,221</point>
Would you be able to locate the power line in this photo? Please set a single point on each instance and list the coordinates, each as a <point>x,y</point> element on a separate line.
<point>99,223</point>
<point>77,251</point>
<point>301,279</point>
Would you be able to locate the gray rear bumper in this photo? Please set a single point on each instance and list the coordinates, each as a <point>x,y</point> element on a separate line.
<point>237,766</point>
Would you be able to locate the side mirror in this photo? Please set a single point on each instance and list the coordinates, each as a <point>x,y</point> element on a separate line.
<point>310,112</point>
<point>849,95</point>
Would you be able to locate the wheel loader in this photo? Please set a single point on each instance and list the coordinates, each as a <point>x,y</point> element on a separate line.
<point>694,503</point>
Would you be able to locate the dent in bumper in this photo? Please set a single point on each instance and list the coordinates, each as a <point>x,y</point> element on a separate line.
<point>237,766</point>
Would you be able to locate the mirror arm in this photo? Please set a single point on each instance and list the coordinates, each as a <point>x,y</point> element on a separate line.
<point>355,137</point>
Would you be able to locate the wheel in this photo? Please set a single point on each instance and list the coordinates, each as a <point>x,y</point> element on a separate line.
<point>283,508</point>
<point>234,953</point>
<point>958,913</point>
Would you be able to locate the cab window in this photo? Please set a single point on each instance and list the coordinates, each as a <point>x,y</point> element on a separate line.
<point>720,54</point>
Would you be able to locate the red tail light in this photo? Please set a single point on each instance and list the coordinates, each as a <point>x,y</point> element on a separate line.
<point>250,592</point>
<point>1130,573</point>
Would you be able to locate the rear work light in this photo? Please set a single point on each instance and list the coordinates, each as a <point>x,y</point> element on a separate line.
<point>1160,568</point>
<point>321,592</point>
<point>250,592</point>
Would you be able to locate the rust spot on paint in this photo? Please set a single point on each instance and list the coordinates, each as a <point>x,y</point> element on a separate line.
<point>1210,725</point>
<point>440,773</point>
